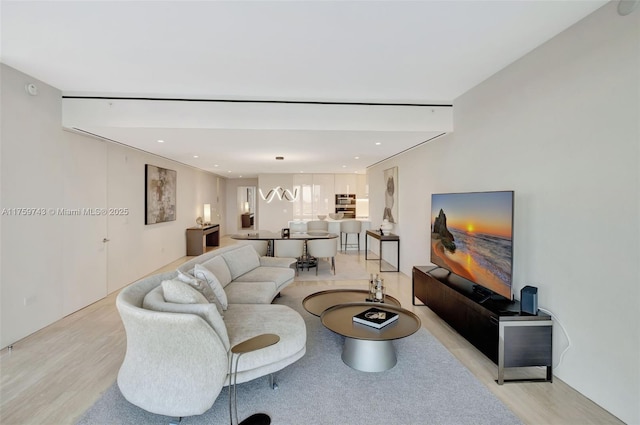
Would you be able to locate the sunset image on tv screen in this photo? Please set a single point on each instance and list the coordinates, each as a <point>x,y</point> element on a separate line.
<point>471,236</point>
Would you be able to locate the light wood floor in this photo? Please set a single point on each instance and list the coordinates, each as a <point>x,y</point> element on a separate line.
<point>54,375</point>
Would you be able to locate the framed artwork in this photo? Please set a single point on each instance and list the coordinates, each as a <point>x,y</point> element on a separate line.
<point>160,194</point>
<point>391,195</point>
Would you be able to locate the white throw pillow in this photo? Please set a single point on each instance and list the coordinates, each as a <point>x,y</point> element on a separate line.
<point>202,286</point>
<point>154,300</point>
<point>205,274</point>
<point>175,291</point>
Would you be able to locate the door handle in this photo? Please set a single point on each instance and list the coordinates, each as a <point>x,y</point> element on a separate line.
<point>105,240</point>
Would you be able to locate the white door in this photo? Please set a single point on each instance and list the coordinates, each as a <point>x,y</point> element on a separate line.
<point>84,222</point>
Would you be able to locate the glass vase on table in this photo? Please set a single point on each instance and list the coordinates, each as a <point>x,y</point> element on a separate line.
<point>379,290</point>
<point>372,288</point>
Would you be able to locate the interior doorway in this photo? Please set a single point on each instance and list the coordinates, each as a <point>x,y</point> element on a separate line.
<point>247,207</point>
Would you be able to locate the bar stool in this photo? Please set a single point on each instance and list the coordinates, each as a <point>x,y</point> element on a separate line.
<point>347,227</point>
<point>318,225</point>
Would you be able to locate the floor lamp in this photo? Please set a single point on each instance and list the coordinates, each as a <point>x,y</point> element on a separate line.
<point>252,344</point>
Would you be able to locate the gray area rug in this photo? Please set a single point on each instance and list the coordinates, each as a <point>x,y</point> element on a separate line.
<point>427,386</point>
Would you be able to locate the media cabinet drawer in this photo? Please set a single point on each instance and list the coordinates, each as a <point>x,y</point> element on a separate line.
<point>527,345</point>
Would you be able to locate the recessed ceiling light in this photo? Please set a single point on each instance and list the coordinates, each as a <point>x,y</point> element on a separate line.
<point>195,156</point>
<point>378,143</point>
<point>215,165</point>
<point>229,171</point>
<point>356,157</point>
<point>160,141</point>
<point>344,166</point>
<point>279,158</point>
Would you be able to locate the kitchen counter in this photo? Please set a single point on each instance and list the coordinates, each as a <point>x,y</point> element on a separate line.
<point>334,227</point>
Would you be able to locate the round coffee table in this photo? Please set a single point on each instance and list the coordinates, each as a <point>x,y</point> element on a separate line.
<point>366,348</point>
<point>320,301</point>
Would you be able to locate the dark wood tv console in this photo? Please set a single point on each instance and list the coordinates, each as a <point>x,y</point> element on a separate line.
<point>494,326</point>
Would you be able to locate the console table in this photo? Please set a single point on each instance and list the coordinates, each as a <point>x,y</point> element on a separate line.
<point>382,238</point>
<point>493,326</point>
<point>200,237</point>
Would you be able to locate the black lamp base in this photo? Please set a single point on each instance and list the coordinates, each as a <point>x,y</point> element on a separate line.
<point>257,419</point>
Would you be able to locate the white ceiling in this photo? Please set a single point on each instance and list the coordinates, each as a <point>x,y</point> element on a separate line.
<point>419,52</point>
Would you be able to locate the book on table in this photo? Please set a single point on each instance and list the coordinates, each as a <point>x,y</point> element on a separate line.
<point>376,317</point>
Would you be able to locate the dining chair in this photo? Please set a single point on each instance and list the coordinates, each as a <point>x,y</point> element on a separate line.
<point>261,247</point>
<point>290,248</point>
<point>298,227</point>
<point>348,227</point>
<point>323,248</point>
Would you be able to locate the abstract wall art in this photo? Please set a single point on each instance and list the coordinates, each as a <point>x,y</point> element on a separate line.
<point>160,194</point>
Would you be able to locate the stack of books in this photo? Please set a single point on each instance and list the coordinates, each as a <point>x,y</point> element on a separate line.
<point>376,317</point>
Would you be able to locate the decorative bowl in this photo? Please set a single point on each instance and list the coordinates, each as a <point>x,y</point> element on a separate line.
<point>386,227</point>
<point>322,216</point>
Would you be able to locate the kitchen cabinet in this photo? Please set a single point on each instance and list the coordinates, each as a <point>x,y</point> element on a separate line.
<point>346,183</point>
<point>362,186</point>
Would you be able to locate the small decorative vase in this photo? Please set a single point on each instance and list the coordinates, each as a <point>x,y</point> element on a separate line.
<point>372,288</point>
<point>386,227</point>
<point>380,290</point>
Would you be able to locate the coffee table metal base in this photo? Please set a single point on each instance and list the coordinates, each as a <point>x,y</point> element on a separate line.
<point>369,356</point>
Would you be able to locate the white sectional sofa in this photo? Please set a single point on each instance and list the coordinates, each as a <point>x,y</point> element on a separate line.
<point>178,343</point>
<point>246,277</point>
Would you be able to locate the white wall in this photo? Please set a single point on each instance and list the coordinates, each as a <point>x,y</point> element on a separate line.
<point>40,163</point>
<point>32,177</point>
<point>151,246</point>
<point>560,127</point>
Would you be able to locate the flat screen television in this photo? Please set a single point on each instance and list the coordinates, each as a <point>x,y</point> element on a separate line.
<point>472,237</point>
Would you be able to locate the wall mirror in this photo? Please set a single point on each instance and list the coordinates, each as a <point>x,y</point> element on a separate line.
<point>246,206</point>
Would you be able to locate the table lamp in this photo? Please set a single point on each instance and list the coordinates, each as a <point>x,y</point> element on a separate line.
<point>207,213</point>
